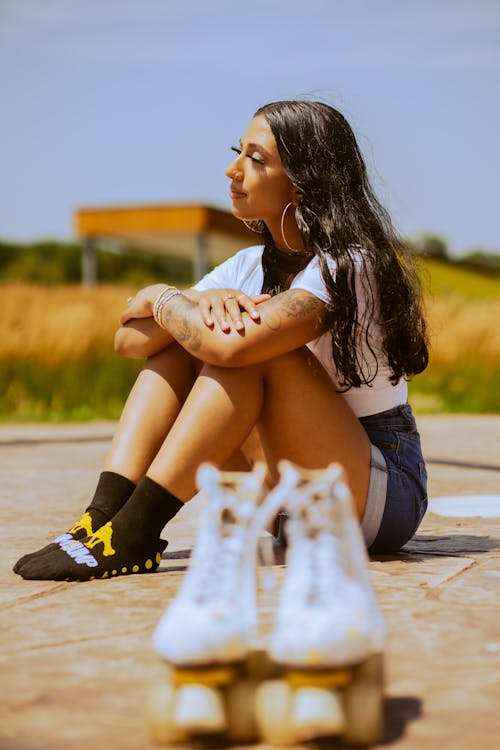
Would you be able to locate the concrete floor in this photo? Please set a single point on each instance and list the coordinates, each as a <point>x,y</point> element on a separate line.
<point>76,659</point>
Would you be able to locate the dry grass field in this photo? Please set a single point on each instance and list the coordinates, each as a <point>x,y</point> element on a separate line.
<point>57,360</point>
<point>58,324</point>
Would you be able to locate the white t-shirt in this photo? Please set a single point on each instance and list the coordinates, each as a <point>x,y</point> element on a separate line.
<point>244,271</point>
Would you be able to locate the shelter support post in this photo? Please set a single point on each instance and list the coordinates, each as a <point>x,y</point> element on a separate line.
<point>89,262</point>
<point>200,256</point>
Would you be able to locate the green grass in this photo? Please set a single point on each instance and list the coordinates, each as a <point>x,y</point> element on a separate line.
<point>441,279</point>
<point>91,388</point>
<point>467,387</point>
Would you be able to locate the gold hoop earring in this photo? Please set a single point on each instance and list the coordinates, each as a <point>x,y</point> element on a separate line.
<point>282,226</point>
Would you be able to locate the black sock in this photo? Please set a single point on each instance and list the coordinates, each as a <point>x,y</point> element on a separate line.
<point>129,543</point>
<point>112,492</point>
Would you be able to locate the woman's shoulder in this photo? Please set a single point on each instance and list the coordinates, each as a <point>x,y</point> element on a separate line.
<point>250,254</point>
<point>245,260</point>
<point>313,269</point>
<point>231,272</point>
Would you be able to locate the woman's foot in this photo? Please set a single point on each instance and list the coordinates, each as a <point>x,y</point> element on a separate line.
<point>87,559</point>
<point>129,543</point>
<point>112,492</point>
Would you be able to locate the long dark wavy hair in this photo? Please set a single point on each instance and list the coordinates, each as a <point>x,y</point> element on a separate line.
<point>338,214</point>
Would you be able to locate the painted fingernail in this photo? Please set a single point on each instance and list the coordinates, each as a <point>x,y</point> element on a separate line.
<point>239,325</point>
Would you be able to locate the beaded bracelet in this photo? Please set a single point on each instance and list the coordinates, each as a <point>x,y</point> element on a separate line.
<point>160,303</point>
<point>159,298</point>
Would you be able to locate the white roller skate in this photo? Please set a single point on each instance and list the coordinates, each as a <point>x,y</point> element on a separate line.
<point>206,633</point>
<point>328,634</point>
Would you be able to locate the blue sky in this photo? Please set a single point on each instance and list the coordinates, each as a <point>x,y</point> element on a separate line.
<point>136,101</point>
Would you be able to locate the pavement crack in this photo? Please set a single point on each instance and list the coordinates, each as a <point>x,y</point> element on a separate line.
<point>454,576</point>
<point>433,591</point>
<point>73,641</point>
<point>32,597</point>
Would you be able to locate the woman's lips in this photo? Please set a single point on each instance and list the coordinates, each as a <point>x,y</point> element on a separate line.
<point>234,193</point>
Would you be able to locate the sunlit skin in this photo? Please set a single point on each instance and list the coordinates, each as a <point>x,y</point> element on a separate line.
<point>222,367</point>
<point>260,188</point>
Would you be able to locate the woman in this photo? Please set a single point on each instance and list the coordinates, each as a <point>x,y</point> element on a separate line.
<point>309,337</point>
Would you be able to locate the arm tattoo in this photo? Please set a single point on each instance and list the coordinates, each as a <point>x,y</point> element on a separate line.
<point>290,304</point>
<point>178,320</point>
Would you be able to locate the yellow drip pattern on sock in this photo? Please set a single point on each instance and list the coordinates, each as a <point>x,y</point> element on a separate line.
<point>102,536</point>
<point>84,523</point>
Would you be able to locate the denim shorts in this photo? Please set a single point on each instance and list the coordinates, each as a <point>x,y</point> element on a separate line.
<point>397,494</point>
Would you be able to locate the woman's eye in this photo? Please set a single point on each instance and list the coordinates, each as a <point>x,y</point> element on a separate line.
<point>254,155</point>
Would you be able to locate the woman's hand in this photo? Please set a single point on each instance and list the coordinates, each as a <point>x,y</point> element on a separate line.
<point>225,306</point>
<point>141,306</point>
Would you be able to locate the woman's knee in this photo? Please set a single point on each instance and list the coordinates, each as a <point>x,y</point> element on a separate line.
<point>172,356</point>
<point>301,358</point>
<point>298,368</point>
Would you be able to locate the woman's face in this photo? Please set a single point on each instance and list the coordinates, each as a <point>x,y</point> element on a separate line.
<point>259,189</point>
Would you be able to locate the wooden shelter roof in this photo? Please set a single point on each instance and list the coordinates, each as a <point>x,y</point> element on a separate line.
<point>171,229</point>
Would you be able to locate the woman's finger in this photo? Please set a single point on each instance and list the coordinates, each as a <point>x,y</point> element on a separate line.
<point>249,305</point>
<point>258,298</point>
<point>205,308</point>
<point>219,313</point>
<point>233,310</point>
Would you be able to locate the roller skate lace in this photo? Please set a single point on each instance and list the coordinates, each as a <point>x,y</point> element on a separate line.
<point>326,609</point>
<point>213,618</point>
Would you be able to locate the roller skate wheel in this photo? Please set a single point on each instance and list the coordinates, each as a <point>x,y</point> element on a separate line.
<point>240,702</point>
<point>159,711</point>
<point>273,703</point>
<point>199,708</point>
<point>316,712</point>
<point>364,704</point>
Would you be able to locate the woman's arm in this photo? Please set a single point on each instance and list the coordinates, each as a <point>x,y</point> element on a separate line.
<point>287,321</point>
<point>140,337</point>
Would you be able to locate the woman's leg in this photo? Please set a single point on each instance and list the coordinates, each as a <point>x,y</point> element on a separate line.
<point>152,406</point>
<point>300,417</point>
<point>150,410</point>
<point>298,413</point>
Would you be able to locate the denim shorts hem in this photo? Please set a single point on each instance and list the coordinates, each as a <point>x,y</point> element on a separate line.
<point>377,493</point>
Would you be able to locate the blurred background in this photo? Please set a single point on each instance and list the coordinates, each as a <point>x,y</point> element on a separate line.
<point>135,103</point>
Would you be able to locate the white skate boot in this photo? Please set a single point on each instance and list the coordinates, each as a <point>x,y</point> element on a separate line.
<point>206,633</point>
<point>328,634</point>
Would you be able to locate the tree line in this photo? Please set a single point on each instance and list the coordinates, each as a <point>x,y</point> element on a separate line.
<point>434,246</point>
<point>58,262</point>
